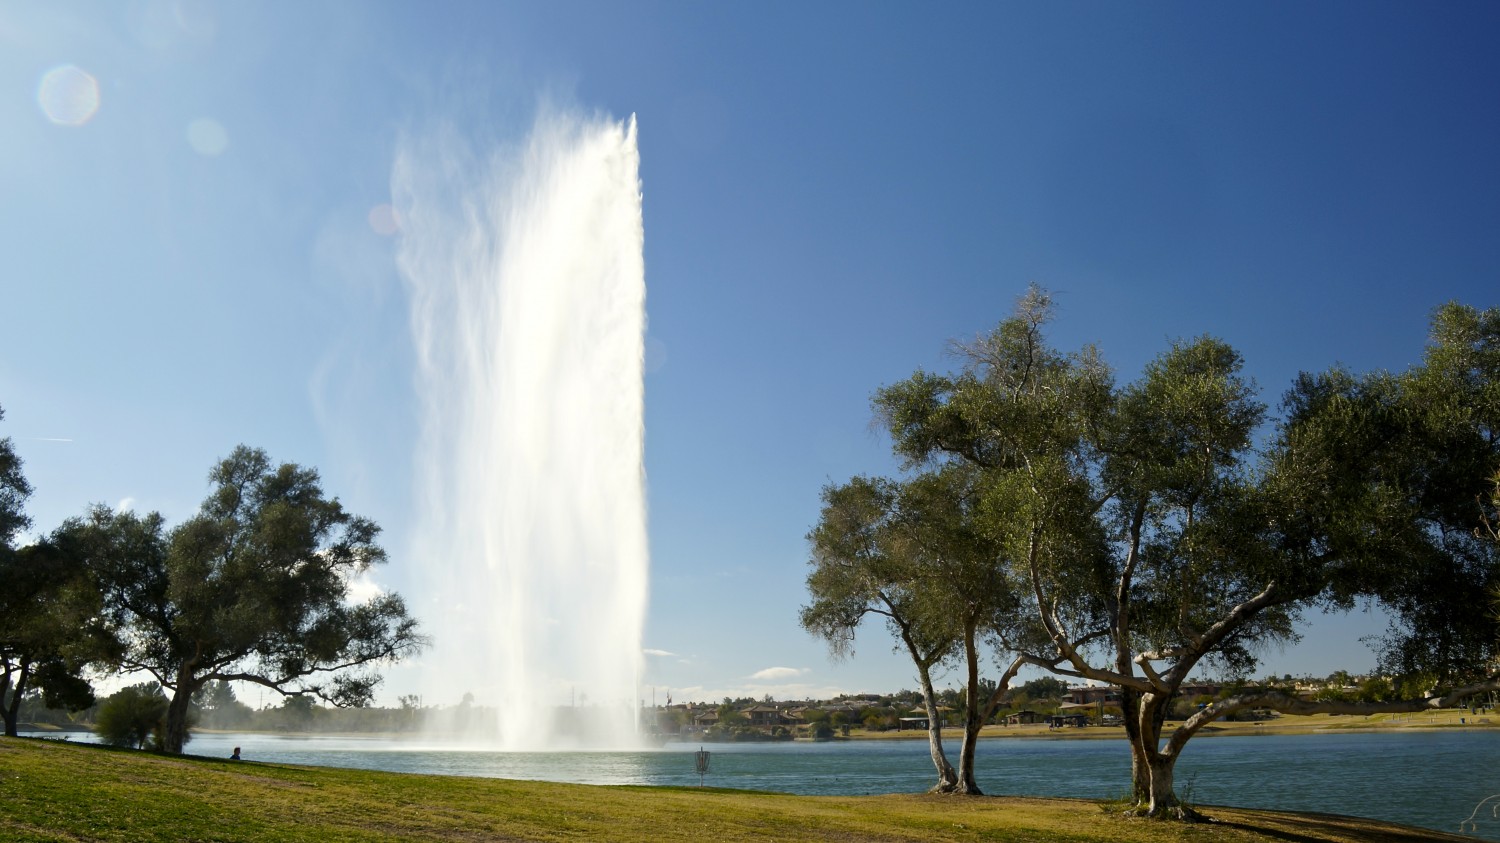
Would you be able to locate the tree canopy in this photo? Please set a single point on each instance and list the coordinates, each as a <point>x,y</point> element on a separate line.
<point>862,566</point>
<point>1170,524</point>
<point>254,588</point>
<point>47,609</point>
<point>14,490</point>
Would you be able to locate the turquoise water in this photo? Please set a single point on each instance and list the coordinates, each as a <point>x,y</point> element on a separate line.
<point>1430,779</point>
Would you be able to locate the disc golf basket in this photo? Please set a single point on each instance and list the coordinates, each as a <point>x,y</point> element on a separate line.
<point>700,762</point>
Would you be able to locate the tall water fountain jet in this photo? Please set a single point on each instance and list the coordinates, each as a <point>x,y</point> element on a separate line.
<point>527,287</point>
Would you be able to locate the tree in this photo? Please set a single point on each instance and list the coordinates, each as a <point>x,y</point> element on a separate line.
<point>1447,459</point>
<point>730,716</point>
<point>47,607</point>
<point>297,713</point>
<point>1153,539</point>
<point>51,632</point>
<point>254,588</point>
<point>1045,688</point>
<point>860,567</point>
<point>218,707</point>
<point>968,588</point>
<point>14,490</point>
<point>133,716</point>
<point>1489,513</point>
<point>914,552</point>
<point>1491,520</point>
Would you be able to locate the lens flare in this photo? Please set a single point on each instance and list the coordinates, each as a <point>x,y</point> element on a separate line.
<point>207,137</point>
<point>68,95</point>
<point>383,220</point>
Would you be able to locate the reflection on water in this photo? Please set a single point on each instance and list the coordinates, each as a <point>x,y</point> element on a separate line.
<point>1429,779</point>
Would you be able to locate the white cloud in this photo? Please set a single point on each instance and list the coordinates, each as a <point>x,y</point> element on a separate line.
<point>772,674</point>
<point>125,505</point>
<point>660,653</point>
<point>362,590</point>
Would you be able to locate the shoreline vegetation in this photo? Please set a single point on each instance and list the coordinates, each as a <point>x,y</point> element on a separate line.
<point>1279,725</point>
<point>57,790</point>
<point>1284,724</point>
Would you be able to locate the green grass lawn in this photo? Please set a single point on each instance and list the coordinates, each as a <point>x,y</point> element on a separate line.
<point>51,790</point>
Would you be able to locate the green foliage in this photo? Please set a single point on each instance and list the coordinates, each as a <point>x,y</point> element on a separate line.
<point>218,708</point>
<point>1431,439</point>
<point>729,716</point>
<point>297,713</point>
<point>61,685</point>
<point>916,552</point>
<point>1139,533</point>
<point>872,556</point>
<point>253,588</point>
<point>1046,687</point>
<point>1371,481</point>
<point>133,716</point>
<point>14,490</point>
<point>49,607</point>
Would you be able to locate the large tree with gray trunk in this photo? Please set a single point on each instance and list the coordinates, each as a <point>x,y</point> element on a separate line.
<point>1154,504</point>
<point>967,589</point>
<point>914,551</point>
<point>862,567</point>
<point>254,588</point>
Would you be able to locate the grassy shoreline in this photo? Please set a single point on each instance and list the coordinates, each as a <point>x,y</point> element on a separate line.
<point>55,790</point>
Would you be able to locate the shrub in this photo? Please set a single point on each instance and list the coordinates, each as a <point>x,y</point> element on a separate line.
<point>133,716</point>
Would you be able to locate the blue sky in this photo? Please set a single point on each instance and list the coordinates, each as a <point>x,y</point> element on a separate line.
<point>832,191</point>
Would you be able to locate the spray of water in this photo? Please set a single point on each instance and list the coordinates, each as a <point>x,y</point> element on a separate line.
<point>527,286</point>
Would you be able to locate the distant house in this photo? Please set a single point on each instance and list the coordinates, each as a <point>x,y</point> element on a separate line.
<point>851,711</point>
<point>1058,721</point>
<point>1021,718</point>
<point>1084,695</point>
<point>1199,689</point>
<point>766,716</point>
<point>1092,695</point>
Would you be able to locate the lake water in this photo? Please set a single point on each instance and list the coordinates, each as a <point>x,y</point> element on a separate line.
<point>1433,779</point>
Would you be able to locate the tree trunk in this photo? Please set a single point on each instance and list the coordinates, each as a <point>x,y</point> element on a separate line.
<point>1163,799</point>
<point>1140,772</point>
<point>1151,769</point>
<point>11,710</point>
<point>175,735</point>
<point>973,720</point>
<point>947,777</point>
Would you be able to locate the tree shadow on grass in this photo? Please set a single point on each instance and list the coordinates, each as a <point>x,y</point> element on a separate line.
<point>1320,828</point>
